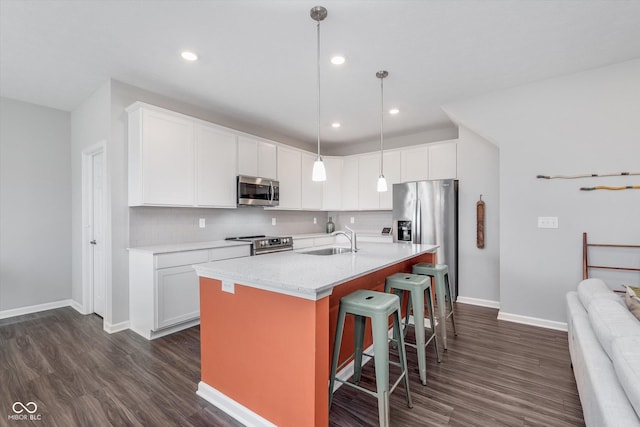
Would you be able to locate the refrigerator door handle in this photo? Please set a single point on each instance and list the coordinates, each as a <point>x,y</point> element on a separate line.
<point>418,227</point>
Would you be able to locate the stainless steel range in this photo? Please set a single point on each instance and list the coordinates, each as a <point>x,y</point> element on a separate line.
<point>261,245</point>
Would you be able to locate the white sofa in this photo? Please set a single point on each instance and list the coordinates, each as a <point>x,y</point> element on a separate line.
<point>604,342</point>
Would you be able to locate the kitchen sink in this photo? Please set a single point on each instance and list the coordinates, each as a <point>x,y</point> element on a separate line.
<point>327,251</point>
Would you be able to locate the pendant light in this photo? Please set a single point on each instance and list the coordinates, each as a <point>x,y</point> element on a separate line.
<point>318,13</point>
<point>382,182</point>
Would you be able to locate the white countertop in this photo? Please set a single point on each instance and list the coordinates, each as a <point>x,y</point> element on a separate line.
<point>190,246</point>
<point>309,276</point>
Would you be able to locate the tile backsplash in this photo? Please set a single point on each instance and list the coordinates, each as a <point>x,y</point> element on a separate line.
<point>158,225</point>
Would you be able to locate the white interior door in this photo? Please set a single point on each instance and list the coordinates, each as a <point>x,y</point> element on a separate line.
<point>97,234</point>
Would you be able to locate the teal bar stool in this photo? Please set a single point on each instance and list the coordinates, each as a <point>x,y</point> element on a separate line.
<point>440,274</point>
<point>418,286</point>
<point>377,306</point>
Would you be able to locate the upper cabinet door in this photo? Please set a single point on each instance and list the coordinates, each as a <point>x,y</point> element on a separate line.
<point>267,160</point>
<point>247,156</point>
<point>368,173</point>
<point>415,163</point>
<point>215,167</point>
<point>443,160</point>
<point>311,196</point>
<point>392,174</point>
<point>256,158</point>
<point>350,183</point>
<point>289,176</point>
<point>332,191</point>
<point>166,157</point>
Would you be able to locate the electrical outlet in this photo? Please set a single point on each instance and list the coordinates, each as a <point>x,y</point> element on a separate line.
<point>202,223</point>
<point>273,221</point>
<point>353,220</point>
<point>315,220</point>
<point>547,222</point>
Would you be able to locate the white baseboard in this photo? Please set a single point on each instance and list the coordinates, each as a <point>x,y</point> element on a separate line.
<point>77,307</point>
<point>117,327</point>
<point>479,302</point>
<point>533,321</point>
<point>231,407</point>
<point>4,314</point>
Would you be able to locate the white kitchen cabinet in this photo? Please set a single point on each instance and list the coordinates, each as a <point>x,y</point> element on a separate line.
<point>332,189</point>
<point>368,173</point>
<point>257,158</point>
<point>215,156</point>
<point>392,172</point>
<point>161,158</point>
<point>350,183</point>
<point>415,163</point>
<point>164,289</point>
<point>311,191</point>
<point>178,296</point>
<point>290,176</point>
<point>443,160</point>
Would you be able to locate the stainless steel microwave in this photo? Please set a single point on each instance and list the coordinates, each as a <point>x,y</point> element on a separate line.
<point>255,191</point>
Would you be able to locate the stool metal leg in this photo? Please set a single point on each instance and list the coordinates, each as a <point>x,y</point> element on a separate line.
<point>380,326</point>
<point>417,300</point>
<point>359,324</point>
<point>442,308</point>
<point>448,289</point>
<point>336,354</point>
<point>432,320</point>
<point>402,353</point>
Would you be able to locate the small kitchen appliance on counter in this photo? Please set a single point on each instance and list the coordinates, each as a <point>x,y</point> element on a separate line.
<point>261,244</point>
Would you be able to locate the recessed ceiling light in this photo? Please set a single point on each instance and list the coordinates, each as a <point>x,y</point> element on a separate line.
<point>335,125</point>
<point>338,60</point>
<point>189,56</point>
<point>394,111</point>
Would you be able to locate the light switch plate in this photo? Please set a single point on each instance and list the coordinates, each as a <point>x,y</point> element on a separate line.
<point>547,222</point>
<point>353,220</point>
<point>273,221</point>
<point>202,223</point>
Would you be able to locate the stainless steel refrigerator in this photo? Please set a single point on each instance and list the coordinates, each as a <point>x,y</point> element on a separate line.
<point>427,212</point>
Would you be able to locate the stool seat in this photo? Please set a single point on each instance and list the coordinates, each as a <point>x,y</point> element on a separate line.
<point>377,306</point>
<point>440,274</point>
<point>427,268</point>
<point>365,303</point>
<point>418,286</point>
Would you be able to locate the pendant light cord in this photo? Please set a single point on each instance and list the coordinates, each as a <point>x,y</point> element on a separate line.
<point>381,125</point>
<point>318,69</point>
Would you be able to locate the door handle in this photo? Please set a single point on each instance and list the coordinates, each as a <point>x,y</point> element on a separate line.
<point>93,242</point>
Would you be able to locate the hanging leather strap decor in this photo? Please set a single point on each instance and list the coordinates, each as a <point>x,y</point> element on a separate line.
<point>480,223</point>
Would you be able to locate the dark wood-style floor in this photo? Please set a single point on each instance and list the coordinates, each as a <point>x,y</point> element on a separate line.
<point>495,373</point>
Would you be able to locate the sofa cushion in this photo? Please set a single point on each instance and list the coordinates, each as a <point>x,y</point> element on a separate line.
<point>626,362</point>
<point>633,300</point>
<point>610,320</point>
<point>595,288</point>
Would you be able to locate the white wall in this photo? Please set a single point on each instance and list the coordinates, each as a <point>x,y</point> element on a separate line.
<point>581,123</point>
<point>35,200</point>
<point>478,173</point>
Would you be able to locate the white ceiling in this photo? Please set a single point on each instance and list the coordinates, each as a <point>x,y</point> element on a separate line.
<point>257,58</point>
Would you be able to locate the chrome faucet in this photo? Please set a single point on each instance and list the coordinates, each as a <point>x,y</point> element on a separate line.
<point>353,238</point>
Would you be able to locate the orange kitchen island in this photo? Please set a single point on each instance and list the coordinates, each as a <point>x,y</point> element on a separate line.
<point>267,326</point>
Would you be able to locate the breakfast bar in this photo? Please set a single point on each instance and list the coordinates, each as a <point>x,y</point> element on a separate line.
<point>267,327</point>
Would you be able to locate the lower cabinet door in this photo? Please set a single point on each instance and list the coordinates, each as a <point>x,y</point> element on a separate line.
<point>178,296</point>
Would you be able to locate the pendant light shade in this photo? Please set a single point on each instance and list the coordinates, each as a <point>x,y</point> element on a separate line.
<point>318,13</point>
<point>319,173</point>
<point>382,181</point>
